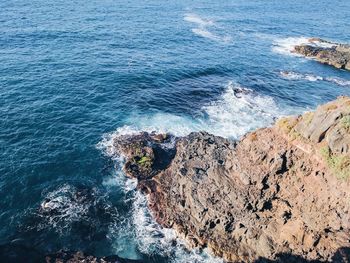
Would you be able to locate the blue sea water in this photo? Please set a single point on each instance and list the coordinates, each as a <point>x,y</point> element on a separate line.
<point>75,73</point>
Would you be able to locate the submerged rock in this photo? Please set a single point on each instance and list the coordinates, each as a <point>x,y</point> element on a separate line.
<point>334,54</point>
<point>278,191</point>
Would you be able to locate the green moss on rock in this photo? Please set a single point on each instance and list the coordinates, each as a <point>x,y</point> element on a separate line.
<point>339,164</point>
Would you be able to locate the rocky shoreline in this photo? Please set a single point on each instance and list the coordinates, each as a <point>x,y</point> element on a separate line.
<point>281,190</point>
<point>334,54</point>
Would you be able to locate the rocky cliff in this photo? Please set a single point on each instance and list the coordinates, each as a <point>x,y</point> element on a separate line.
<point>334,54</point>
<point>282,190</point>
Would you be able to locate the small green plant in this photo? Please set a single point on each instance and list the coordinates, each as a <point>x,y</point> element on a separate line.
<point>338,163</point>
<point>308,116</point>
<point>145,160</point>
<point>345,122</point>
<point>285,125</point>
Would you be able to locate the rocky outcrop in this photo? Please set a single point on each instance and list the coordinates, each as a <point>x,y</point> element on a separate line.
<point>278,191</point>
<point>334,54</point>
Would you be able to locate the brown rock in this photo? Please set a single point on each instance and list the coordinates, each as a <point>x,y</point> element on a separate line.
<point>337,55</point>
<point>273,193</point>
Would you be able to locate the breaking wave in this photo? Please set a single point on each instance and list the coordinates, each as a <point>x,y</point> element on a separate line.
<point>240,110</point>
<point>69,208</point>
<point>237,111</point>
<point>285,46</point>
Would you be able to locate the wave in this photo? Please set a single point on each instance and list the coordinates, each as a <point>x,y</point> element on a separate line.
<point>203,26</point>
<point>286,46</point>
<point>237,111</point>
<point>152,238</point>
<point>339,81</point>
<point>69,207</point>
<point>240,110</point>
<point>291,75</point>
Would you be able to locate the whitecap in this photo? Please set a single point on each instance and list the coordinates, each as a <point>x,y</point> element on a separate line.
<point>237,111</point>
<point>285,46</point>
<point>69,206</point>
<point>240,110</point>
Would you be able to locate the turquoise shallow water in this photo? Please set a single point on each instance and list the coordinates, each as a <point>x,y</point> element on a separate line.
<point>72,72</point>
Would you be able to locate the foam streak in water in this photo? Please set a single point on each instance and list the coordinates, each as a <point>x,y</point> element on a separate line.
<point>203,26</point>
<point>291,75</point>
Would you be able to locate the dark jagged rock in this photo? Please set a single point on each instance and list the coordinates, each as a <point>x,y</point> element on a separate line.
<point>334,54</point>
<point>147,153</point>
<point>17,253</point>
<point>79,257</point>
<point>278,191</point>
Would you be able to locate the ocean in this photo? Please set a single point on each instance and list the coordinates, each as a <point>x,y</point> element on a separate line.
<point>74,74</point>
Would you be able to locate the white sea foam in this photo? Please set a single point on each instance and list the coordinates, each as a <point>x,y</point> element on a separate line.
<point>291,75</point>
<point>193,18</point>
<point>237,111</point>
<point>142,234</point>
<point>240,110</point>
<point>65,207</point>
<point>286,46</point>
<point>339,81</point>
<point>154,239</point>
<point>205,27</point>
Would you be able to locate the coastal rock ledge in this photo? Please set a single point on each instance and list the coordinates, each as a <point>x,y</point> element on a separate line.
<point>280,193</point>
<point>334,54</point>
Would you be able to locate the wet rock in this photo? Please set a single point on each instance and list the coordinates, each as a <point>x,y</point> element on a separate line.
<point>275,192</point>
<point>80,257</point>
<point>334,54</point>
<point>146,153</point>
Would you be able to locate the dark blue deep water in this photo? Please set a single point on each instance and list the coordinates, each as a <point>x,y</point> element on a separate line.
<point>72,73</point>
